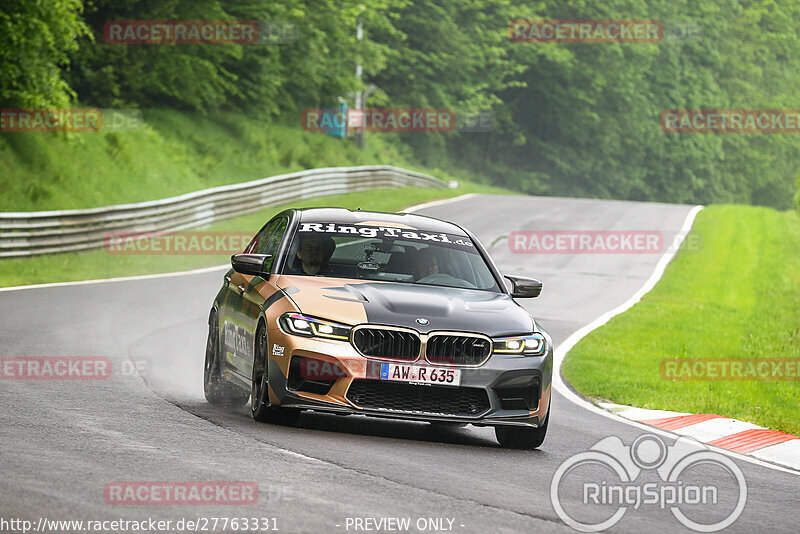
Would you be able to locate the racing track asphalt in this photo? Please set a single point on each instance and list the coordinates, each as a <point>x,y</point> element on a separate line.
<point>62,441</point>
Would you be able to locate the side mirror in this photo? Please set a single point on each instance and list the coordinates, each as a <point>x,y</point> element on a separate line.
<point>524,287</point>
<point>255,264</point>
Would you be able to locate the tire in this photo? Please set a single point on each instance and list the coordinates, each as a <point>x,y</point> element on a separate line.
<point>218,390</point>
<point>519,437</point>
<point>260,408</point>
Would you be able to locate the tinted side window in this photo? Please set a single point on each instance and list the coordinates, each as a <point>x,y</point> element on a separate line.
<point>269,239</point>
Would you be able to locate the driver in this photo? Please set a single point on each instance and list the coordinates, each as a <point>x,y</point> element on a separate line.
<point>427,264</point>
<point>314,253</point>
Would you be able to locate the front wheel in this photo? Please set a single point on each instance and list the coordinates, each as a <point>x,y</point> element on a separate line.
<point>218,390</point>
<point>521,437</point>
<point>260,408</point>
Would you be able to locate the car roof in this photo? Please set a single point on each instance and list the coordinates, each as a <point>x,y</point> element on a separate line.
<point>346,216</point>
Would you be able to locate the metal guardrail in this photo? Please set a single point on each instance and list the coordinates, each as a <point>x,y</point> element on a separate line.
<point>49,232</point>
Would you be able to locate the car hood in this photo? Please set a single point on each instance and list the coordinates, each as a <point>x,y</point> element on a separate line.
<point>399,304</point>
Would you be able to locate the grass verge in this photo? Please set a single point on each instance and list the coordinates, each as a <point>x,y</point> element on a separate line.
<point>95,264</point>
<point>737,297</point>
<point>171,153</point>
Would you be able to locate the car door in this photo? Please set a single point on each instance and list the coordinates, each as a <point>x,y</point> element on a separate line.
<point>244,301</point>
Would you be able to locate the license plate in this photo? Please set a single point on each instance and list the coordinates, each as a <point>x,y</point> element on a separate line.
<point>420,374</point>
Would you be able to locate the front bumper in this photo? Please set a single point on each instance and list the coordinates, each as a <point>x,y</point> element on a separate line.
<point>505,390</point>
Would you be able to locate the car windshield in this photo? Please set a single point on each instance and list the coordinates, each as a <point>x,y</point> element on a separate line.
<point>389,253</point>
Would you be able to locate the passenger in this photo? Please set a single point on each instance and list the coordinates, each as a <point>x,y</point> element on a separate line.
<point>427,264</point>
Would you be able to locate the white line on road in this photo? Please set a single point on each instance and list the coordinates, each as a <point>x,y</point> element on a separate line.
<point>121,279</point>
<point>434,203</point>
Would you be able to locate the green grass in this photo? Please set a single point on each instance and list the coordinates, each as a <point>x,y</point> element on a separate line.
<point>99,263</point>
<point>173,153</point>
<point>737,297</point>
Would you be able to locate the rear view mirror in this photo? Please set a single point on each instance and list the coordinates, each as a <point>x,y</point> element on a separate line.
<point>524,287</point>
<point>255,264</point>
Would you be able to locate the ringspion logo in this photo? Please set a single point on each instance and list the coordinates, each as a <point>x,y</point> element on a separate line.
<point>593,490</point>
<point>585,31</point>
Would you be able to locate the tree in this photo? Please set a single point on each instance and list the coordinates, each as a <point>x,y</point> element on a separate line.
<point>35,40</point>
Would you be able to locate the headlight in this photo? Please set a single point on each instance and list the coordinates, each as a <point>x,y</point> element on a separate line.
<point>532,345</point>
<point>303,325</point>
